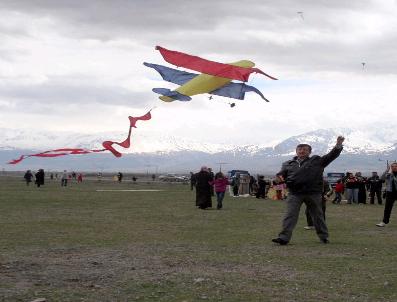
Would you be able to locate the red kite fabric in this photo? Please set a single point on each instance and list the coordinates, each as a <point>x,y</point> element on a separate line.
<point>107,145</point>
<point>181,59</point>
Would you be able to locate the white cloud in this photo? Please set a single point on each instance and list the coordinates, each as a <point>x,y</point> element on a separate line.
<point>73,65</point>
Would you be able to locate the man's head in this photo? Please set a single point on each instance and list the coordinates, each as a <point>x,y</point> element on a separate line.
<point>303,150</point>
<point>393,167</point>
<point>374,173</point>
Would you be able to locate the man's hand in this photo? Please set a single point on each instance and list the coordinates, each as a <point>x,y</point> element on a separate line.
<point>340,140</point>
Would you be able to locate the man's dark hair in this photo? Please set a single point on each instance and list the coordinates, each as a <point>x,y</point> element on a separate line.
<point>305,145</point>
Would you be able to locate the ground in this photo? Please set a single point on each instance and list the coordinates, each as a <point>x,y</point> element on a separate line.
<point>77,244</point>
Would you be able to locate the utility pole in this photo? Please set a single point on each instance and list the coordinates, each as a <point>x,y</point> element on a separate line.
<point>220,166</point>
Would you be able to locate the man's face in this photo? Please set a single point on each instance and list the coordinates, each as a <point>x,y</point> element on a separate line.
<point>303,152</point>
<point>394,168</point>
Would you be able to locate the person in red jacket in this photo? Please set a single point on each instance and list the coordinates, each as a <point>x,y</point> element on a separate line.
<point>220,182</point>
<point>339,189</point>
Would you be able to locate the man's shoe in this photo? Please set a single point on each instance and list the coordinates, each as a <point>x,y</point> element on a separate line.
<point>325,241</point>
<point>309,227</point>
<point>381,224</point>
<point>280,241</point>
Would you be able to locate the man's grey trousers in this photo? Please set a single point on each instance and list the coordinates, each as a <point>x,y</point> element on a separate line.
<point>314,206</point>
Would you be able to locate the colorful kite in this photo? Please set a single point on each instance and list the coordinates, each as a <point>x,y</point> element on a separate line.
<point>107,145</point>
<point>216,78</point>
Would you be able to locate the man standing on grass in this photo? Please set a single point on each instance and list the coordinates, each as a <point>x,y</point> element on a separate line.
<point>390,176</point>
<point>375,188</point>
<point>304,178</point>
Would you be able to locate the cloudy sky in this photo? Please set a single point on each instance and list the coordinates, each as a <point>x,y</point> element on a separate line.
<point>77,65</point>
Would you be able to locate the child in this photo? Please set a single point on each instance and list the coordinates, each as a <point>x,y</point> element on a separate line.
<point>220,182</point>
<point>339,189</point>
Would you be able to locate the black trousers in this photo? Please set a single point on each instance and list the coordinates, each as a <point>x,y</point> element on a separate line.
<point>390,199</point>
<point>235,190</point>
<point>378,194</point>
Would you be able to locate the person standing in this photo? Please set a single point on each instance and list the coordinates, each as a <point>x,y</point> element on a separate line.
<point>203,188</point>
<point>304,178</point>
<point>351,185</point>
<point>64,179</point>
<point>28,177</point>
<point>279,187</point>
<point>261,193</point>
<point>236,184</point>
<point>375,188</point>
<point>192,181</point>
<point>220,182</point>
<point>80,177</point>
<point>390,176</point>
<point>339,190</point>
<point>251,185</point>
<point>120,177</point>
<point>362,190</point>
<point>40,178</point>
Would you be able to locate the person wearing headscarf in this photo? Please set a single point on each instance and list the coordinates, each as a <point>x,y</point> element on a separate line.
<point>203,188</point>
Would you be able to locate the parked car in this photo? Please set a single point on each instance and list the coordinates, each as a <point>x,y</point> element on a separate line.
<point>334,177</point>
<point>173,178</point>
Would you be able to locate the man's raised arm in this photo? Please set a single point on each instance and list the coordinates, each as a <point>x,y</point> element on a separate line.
<point>334,153</point>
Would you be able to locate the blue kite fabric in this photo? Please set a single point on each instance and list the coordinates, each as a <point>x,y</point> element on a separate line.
<point>172,94</point>
<point>232,90</point>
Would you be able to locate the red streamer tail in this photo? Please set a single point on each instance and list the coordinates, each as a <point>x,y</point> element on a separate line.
<point>107,145</point>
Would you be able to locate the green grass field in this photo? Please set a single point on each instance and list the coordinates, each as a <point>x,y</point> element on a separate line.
<point>77,244</point>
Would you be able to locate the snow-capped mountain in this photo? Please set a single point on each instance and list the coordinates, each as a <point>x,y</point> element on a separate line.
<point>365,150</point>
<point>142,142</point>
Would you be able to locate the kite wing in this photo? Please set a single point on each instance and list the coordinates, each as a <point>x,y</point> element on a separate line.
<point>108,145</point>
<point>217,69</point>
<point>231,90</point>
<point>172,75</point>
<point>237,91</point>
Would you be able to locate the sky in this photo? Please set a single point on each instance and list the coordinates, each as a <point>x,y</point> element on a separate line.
<point>77,65</point>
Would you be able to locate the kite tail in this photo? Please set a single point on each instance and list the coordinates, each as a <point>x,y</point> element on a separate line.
<point>17,161</point>
<point>107,145</point>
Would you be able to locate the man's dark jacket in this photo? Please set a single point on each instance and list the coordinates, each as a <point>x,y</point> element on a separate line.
<point>375,183</point>
<point>306,177</point>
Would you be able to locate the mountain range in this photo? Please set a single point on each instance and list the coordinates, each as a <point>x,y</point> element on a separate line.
<point>365,150</point>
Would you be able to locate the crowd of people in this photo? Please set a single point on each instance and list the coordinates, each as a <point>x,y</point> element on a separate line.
<point>299,181</point>
<point>39,177</point>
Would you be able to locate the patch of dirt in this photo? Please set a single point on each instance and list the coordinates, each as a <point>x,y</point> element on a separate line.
<point>100,270</point>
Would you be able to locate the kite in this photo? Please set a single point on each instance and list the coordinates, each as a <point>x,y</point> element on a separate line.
<point>215,78</point>
<point>301,14</point>
<point>107,145</point>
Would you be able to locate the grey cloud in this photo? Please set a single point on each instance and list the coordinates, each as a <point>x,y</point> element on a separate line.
<point>224,27</point>
<point>58,92</point>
